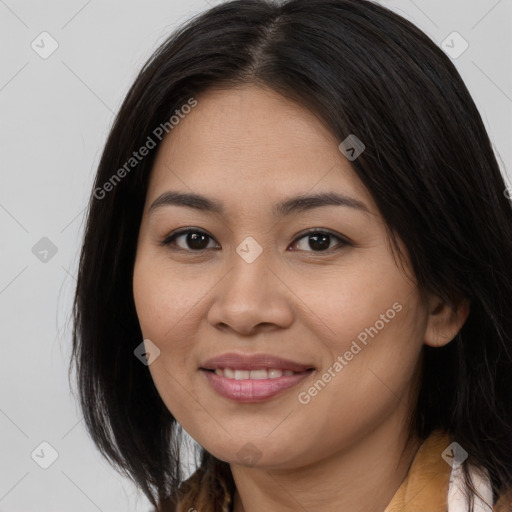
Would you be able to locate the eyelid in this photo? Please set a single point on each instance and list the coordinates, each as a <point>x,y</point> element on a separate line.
<point>183,231</point>
<point>343,241</point>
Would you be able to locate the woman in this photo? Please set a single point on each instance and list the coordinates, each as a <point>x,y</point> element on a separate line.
<point>298,251</point>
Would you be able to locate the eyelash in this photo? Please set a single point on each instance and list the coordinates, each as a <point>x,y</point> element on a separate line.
<point>170,239</point>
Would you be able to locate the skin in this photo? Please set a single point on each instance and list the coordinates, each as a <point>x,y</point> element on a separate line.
<point>250,148</point>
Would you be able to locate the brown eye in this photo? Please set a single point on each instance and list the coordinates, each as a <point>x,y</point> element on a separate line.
<point>193,240</point>
<point>320,241</point>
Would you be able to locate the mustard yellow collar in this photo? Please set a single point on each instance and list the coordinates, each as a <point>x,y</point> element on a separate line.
<point>427,484</point>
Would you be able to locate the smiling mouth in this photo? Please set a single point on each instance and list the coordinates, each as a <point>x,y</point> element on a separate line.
<point>253,377</point>
<point>256,374</point>
<point>252,386</point>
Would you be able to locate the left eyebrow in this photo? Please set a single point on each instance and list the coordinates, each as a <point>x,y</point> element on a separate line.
<point>307,202</point>
<point>287,207</point>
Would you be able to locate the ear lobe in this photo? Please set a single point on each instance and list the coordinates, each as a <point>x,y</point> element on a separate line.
<point>444,321</point>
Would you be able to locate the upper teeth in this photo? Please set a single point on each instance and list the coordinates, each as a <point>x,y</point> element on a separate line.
<point>271,373</point>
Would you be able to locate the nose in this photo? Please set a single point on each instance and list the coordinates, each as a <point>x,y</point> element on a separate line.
<point>251,297</point>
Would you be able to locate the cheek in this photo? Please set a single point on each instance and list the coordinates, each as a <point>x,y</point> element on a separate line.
<point>368,374</point>
<point>164,303</point>
<point>168,306</point>
<point>158,312</point>
<point>366,295</point>
<point>371,332</point>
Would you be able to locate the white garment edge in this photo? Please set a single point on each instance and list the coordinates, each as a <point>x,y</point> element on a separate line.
<point>457,500</point>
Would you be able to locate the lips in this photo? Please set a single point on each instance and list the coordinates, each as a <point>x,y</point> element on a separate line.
<point>253,378</point>
<point>254,362</point>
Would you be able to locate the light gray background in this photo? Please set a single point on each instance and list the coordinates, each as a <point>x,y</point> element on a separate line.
<point>55,116</point>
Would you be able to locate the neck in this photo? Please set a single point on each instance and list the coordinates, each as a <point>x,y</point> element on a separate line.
<point>364,476</point>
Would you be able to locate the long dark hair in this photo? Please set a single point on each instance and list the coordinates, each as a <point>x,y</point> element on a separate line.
<point>428,164</point>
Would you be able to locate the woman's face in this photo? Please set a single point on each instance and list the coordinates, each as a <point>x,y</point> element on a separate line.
<point>248,280</point>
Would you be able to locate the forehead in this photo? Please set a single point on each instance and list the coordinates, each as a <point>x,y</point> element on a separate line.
<point>250,144</point>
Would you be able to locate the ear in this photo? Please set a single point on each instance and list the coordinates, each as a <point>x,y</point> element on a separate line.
<point>444,320</point>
